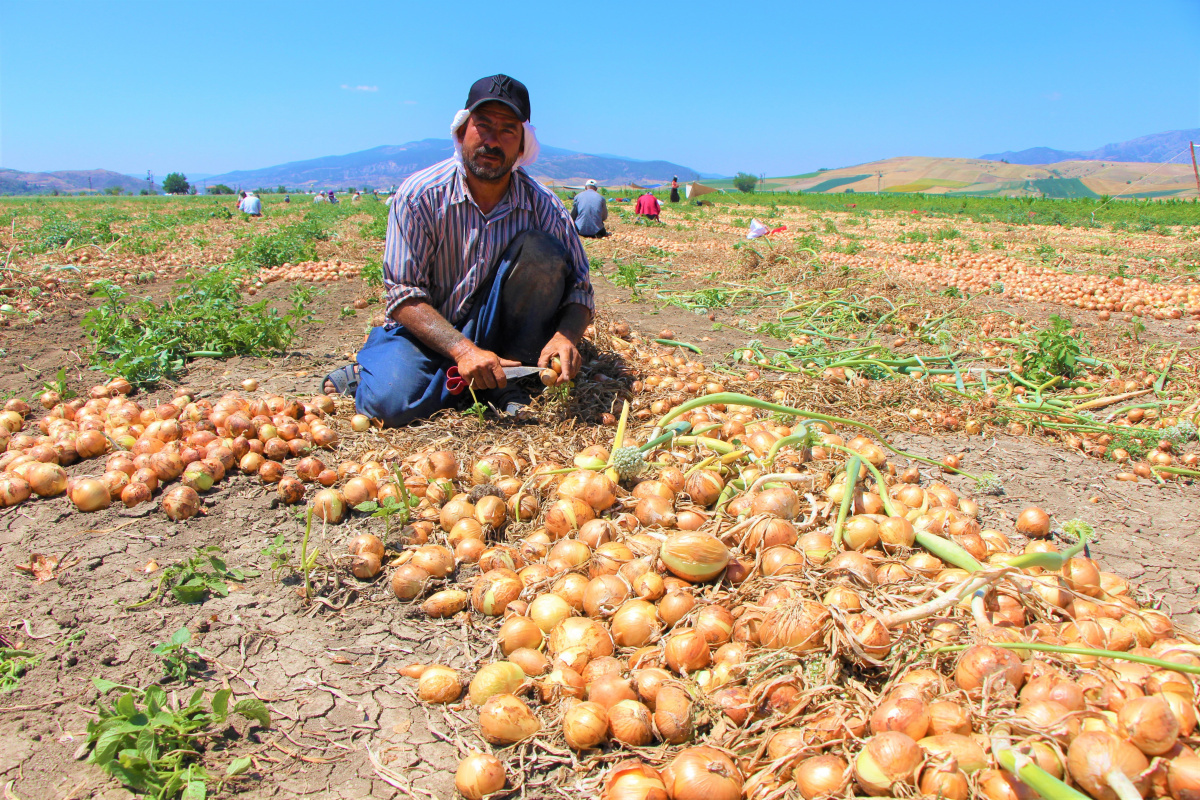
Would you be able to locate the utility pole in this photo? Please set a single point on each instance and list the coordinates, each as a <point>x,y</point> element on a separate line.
<point>878,182</point>
<point>149,182</point>
<point>89,183</point>
<point>1195,171</point>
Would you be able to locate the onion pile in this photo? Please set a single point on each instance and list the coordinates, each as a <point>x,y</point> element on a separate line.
<point>623,629</point>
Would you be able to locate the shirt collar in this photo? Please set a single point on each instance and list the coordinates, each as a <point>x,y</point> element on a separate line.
<point>516,197</point>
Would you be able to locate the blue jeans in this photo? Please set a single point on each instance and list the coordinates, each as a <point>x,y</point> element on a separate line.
<point>513,313</point>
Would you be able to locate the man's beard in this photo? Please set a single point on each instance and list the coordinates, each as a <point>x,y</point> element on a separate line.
<point>486,173</point>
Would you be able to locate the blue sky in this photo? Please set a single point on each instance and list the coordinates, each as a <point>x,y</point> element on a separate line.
<point>208,86</point>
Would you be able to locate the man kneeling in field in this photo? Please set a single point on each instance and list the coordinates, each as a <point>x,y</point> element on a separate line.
<point>483,269</point>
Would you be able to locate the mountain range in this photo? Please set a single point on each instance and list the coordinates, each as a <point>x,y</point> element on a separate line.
<point>388,165</point>
<point>14,181</point>
<point>1156,148</point>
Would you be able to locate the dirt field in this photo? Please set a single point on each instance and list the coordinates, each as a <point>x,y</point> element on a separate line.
<point>345,723</point>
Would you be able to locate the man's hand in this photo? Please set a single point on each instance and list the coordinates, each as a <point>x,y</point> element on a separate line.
<point>481,369</point>
<point>559,345</point>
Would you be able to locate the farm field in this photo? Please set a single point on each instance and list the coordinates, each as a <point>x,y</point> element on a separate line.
<point>870,448</point>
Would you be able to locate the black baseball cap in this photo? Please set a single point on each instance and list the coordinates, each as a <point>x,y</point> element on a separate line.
<point>503,89</point>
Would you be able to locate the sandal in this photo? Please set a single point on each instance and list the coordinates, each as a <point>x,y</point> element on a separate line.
<point>344,379</point>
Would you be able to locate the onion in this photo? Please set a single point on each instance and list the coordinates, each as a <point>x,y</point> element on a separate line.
<point>996,784</point>
<point>531,662</point>
<point>821,776</point>
<point>1149,725</point>
<point>135,493</point>
<point>704,487</point>
<point>1183,778</point>
<point>180,502</point>
<point>581,632</point>
<point>593,488</point>
<point>673,714</point>
<point>675,605</point>
<point>565,515</point>
<point>89,494</point>
<point>501,677</point>
<point>715,624</point>
<point>609,689</point>
<point>962,749</point>
<point>907,715</point>
<point>585,725</point>
<point>694,556</point>
<point>1093,755</point>
<point>655,512</point>
<point>797,626</point>
<point>505,719</point>
<point>328,505</point>
<point>888,758</point>
<point>687,651</point>
<point>603,595</point>
<point>517,633</point>
<point>47,480</point>
<point>445,603</point>
<point>408,581</point>
<point>494,590</point>
<point>365,566</point>
<point>948,717</point>
<point>633,780</point>
<point>703,773</point>
<point>439,684</point>
<point>629,723</point>
<point>634,624</point>
<point>291,490</point>
<point>979,662</point>
<point>945,783</point>
<point>781,502</point>
<point>1034,523</point>
<point>547,610</point>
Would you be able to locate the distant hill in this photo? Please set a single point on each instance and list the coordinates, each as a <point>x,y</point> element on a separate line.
<point>381,167</point>
<point>1155,148</point>
<point>69,180</point>
<point>980,178</point>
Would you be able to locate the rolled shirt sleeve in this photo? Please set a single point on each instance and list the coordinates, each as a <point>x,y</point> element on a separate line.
<point>406,253</point>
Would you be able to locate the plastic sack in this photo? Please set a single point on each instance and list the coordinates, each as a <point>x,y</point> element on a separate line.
<point>757,230</point>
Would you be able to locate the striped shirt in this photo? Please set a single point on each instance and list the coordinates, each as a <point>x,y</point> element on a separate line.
<point>441,247</point>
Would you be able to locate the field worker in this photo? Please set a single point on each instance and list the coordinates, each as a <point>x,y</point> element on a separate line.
<point>319,198</point>
<point>589,212</point>
<point>252,205</point>
<point>675,189</point>
<point>483,270</point>
<point>647,206</point>
<point>241,199</point>
<point>332,196</point>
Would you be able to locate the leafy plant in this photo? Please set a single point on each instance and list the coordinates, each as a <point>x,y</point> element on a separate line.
<point>15,663</point>
<point>372,273</point>
<point>146,343</point>
<point>155,748</point>
<point>1052,352</point>
<point>745,182</point>
<point>179,659</point>
<point>390,506</point>
<point>192,579</point>
<point>942,234</point>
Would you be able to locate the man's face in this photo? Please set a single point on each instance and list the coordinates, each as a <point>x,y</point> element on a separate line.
<point>492,141</point>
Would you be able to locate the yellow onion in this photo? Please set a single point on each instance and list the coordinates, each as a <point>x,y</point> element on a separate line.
<point>445,603</point>
<point>655,512</point>
<point>13,490</point>
<point>673,714</point>
<point>694,556</point>
<point>585,725</point>
<point>493,591</point>
<point>629,723</point>
<point>633,780</point>
<point>704,487</point>
<point>634,624</point>
<point>1149,724</point>
<point>887,759</point>
<point>501,677</point>
<point>945,783</point>
<point>547,610</point>
<point>532,662</point>
<point>821,776</point>
<point>562,682</point>
<point>408,581</point>
<point>905,714</point>
<point>439,684</point>
<point>479,774</point>
<point>979,662</point>
<point>687,651</point>
<point>781,502</point>
<point>797,626</point>
<point>47,480</point>
<point>603,595</point>
<point>609,689</point>
<point>703,773</point>
<point>505,719</point>
<point>434,559</point>
<point>89,494</point>
<point>180,502</point>
<point>593,488</point>
<point>519,632</point>
<point>1034,523</point>
<point>329,505</point>
<point>963,749</point>
<point>581,632</point>
<point>1183,778</point>
<point>1094,754</point>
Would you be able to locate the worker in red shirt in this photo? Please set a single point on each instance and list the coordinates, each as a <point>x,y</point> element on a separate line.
<point>647,206</point>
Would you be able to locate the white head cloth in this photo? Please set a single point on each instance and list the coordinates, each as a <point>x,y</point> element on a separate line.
<point>529,152</point>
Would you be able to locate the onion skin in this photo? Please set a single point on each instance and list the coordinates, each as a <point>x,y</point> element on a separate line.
<point>479,774</point>
<point>505,719</point>
<point>1183,778</point>
<point>629,723</point>
<point>888,758</point>
<point>821,776</point>
<point>980,661</point>
<point>1149,725</point>
<point>673,714</point>
<point>438,684</point>
<point>1094,753</point>
<point>633,780</point>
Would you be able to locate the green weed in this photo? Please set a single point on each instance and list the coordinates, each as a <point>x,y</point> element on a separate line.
<point>180,660</point>
<point>192,579</point>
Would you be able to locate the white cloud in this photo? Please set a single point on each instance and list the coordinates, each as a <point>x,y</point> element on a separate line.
<point>350,88</point>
